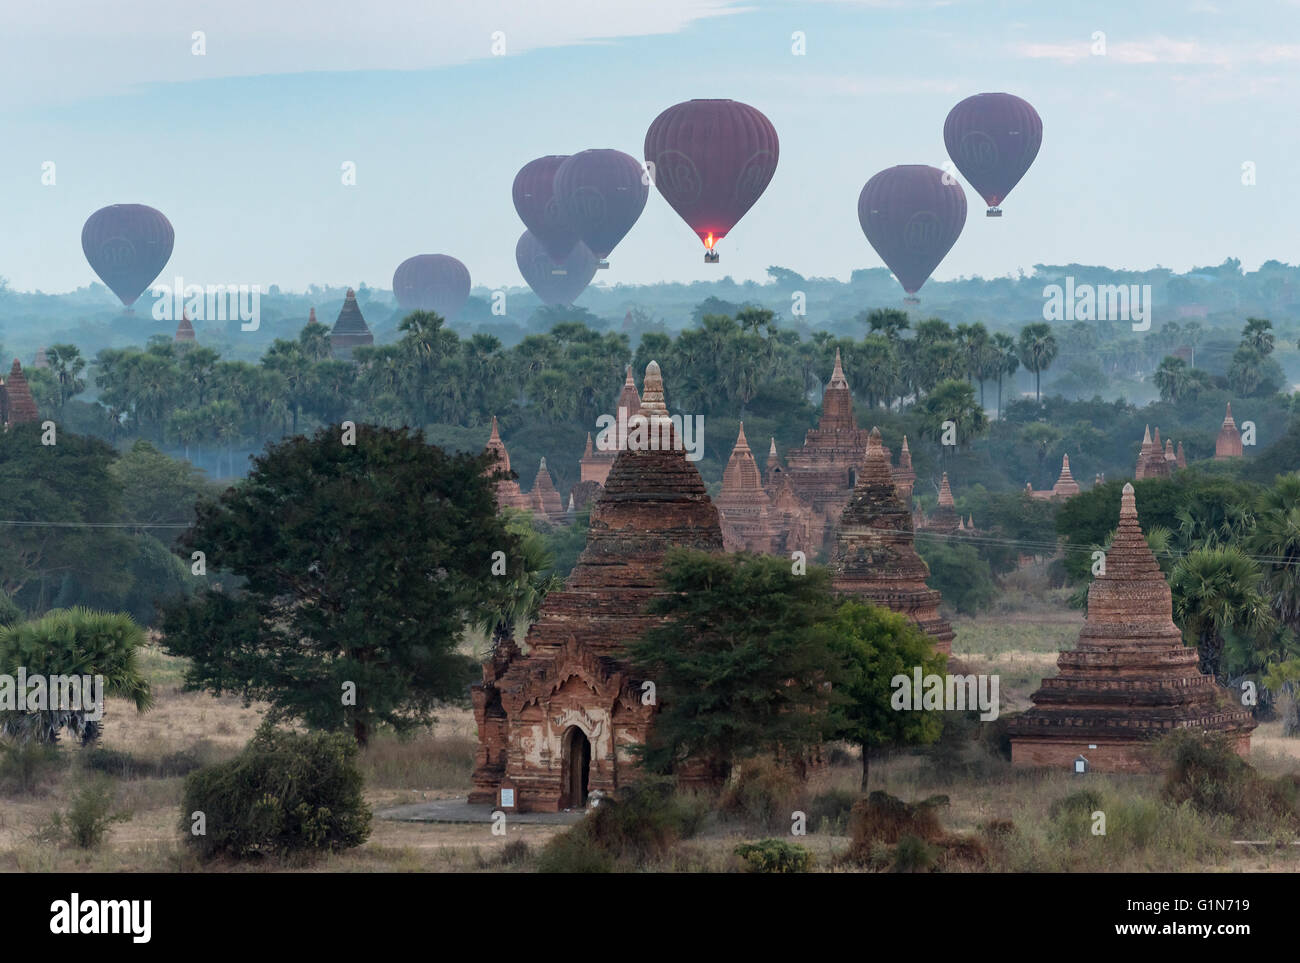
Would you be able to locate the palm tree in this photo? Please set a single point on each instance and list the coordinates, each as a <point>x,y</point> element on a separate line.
<point>1007,362</point>
<point>529,580</point>
<point>1037,349</point>
<point>1276,540</point>
<point>66,364</point>
<point>1172,379</point>
<point>75,642</point>
<point>1217,591</point>
<point>1258,333</point>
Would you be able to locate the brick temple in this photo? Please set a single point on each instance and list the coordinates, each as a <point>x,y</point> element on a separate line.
<point>875,558</point>
<point>556,723</point>
<point>1228,442</point>
<point>1129,679</point>
<point>1065,488</point>
<point>16,402</point>
<point>350,329</point>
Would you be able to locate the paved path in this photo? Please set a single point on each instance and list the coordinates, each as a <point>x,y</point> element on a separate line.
<point>460,811</point>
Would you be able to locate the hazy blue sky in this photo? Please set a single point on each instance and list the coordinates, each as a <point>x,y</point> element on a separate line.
<point>242,147</point>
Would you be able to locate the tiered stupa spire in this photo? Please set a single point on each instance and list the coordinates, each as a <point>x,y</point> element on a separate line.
<point>1130,678</point>
<point>742,503</point>
<point>16,402</point>
<point>184,330</point>
<point>507,489</point>
<point>544,499</point>
<point>350,330</point>
<point>572,692</point>
<point>875,558</point>
<point>1228,442</point>
<point>1065,485</point>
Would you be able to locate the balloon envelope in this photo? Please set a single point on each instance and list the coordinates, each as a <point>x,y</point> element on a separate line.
<point>534,195</point>
<point>912,218</point>
<point>432,282</point>
<point>127,245</point>
<point>538,269</point>
<point>601,194</point>
<point>993,138</point>
<point>712,160</point>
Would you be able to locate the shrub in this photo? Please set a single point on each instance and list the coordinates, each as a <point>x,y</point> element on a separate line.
<point>762,793</point>
<point>88,819</point>
<point>574,852</point>
<point>23,763</point>
<point>642,823</point>
<point>885,818</point>
<point>1206,772</point>
<point>775,856</point>
<point>284,793</point>
<point>830,811</point>
<point>914,855</point>
<point>125,765</point>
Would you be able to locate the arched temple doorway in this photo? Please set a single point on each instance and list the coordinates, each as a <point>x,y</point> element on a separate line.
<point>577,768</point>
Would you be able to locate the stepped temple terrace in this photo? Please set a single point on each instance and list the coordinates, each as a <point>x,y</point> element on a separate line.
<point>555,724</point>
<point>1129,679</point>
<point>350,329</point>
<point>874,556</point>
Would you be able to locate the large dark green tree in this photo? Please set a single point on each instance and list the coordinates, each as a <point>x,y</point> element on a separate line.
<point>361,565</point>
<point>742,663</point>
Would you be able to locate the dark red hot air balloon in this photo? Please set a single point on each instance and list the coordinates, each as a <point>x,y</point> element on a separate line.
<point>600,194</point>
<point>554,283</point>
<point>912,215</point>
<point>432,282</point>
<point>712,160</point>
<point>534,194</point>
<point>127,245</point>
<point>993,138</point>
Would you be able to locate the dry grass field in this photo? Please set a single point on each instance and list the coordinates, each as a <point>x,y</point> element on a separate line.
<point>145,756</point>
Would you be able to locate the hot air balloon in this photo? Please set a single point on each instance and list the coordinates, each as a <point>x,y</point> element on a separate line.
<point>127,245</point>
<point>712,160</point>
<point>600,194</point>
<point>534,194</point>
<point>912,215</point>
<point>432,282</point>
<point>552,286</point>
<point>993,138</point>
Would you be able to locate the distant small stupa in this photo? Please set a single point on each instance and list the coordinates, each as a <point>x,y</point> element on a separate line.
<point>350,330</point>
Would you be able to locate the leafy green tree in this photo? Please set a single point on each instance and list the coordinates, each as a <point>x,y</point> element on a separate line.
<point>741,661</point>
<point>874,646</point>
<point>158,491</point>
<point>363,563</point>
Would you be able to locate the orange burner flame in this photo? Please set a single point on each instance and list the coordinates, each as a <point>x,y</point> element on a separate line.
<point>708,241</point>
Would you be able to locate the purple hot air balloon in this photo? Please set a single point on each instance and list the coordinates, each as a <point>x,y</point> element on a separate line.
<point>601,193</point>
<point>993,138</point>
<point>912,215</point>
<point>554,283</point>
<point>432,282</point>
<point>534,194</point>
<point>712,160</point>
<point>127,245</point>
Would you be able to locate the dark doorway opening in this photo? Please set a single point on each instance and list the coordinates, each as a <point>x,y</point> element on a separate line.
<point>577,768</point>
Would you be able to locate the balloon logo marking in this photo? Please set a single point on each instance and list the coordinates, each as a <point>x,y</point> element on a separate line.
<point>923,232</point>
<point>677,177</point>
<point>978,150</point>
<point>755,176</point>
<point>118,254</point>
